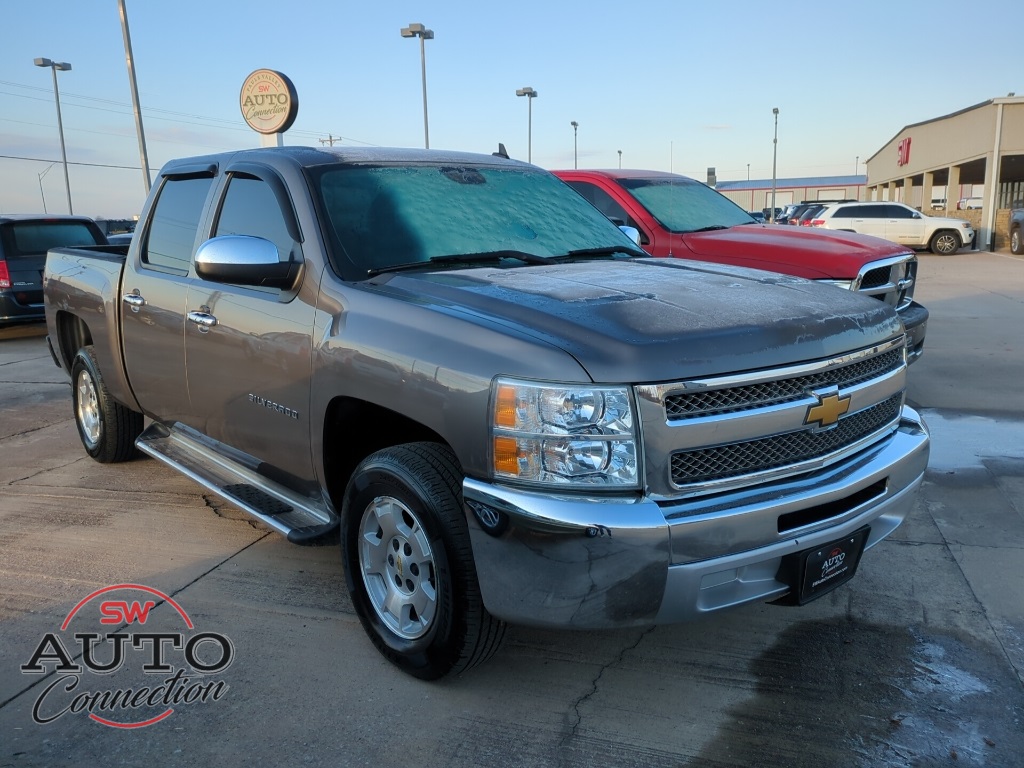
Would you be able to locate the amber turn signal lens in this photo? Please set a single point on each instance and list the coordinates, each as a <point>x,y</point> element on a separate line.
<point>506,455</point>
<point>505,407</point>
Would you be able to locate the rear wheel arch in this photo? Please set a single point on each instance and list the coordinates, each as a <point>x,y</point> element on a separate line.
<point>72,335</point>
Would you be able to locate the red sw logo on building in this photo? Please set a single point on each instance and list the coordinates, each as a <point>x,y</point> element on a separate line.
<point>903,152</point>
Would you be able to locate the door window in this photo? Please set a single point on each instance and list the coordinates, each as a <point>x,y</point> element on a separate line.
<point>174,224</point>
<point>250,208</point>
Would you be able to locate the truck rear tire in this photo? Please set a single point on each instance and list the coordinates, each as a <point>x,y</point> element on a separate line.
<point>1016,245</point>
<point>409,564</point>
<point>107,428</point>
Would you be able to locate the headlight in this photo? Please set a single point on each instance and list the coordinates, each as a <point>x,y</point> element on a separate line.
<point>570,435</point>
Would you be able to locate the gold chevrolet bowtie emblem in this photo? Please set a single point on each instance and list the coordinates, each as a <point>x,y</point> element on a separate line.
<point>828,410</point>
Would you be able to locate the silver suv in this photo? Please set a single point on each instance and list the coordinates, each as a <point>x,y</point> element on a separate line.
<point>899,223</point>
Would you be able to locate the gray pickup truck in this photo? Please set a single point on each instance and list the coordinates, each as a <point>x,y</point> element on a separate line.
<point>503,408</point>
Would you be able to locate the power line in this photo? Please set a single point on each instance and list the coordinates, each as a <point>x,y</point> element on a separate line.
<point>217,122</point>
<point>71,162</point>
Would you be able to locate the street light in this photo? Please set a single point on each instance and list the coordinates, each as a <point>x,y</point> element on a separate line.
<point>775,154</point>
<point>41,175</point>
<point>418,30</point>
<point>620,158</point>
<point>530,95</point>
<point>63,66</point>
<point>575,126</point>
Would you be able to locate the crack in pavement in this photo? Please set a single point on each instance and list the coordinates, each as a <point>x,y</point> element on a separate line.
<point>594,685</point>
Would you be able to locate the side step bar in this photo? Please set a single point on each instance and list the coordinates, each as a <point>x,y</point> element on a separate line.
<point>298,517</point>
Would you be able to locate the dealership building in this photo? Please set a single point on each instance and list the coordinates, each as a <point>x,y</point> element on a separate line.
<point>929,165</point>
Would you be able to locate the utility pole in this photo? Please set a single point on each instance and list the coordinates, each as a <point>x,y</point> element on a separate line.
<point>330,139</point>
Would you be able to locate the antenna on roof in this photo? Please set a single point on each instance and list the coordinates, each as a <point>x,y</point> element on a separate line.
<point>502,152</point>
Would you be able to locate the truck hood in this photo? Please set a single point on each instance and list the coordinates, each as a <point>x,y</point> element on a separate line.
<point>651,320</point>
<point>816,254</point>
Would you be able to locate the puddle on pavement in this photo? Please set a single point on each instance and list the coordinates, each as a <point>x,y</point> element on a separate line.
<point>848,693</point>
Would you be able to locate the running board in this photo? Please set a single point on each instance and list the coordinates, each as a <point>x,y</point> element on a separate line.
<point>298,517</point>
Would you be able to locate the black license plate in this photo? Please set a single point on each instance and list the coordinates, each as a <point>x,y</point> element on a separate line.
<point>822,569</point>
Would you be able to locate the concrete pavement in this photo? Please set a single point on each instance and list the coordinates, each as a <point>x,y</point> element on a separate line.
<point>917,662</point>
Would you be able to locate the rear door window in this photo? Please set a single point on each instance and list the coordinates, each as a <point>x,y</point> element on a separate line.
<point>174,224</point>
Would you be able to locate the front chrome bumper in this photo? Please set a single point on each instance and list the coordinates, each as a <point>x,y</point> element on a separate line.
<point>596,562</point>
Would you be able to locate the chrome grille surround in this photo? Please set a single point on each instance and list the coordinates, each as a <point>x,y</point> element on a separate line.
<point>754,427</point>
<point>889,280</point>
<point>709,402</point>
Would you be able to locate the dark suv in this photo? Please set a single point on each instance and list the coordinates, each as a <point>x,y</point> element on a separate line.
<point>24,241</point>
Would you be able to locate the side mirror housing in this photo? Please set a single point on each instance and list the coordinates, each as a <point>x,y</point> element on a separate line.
<point>244,260</point>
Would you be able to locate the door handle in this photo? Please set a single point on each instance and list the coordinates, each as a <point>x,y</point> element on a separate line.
<point>203,319</point>
<point>134,300</point>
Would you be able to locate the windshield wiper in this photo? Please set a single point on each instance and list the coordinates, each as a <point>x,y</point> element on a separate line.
<point>712,228</point>
<point>610,250</point>
<point>483,257</point>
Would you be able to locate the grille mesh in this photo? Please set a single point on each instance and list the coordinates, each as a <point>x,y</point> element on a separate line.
<point>710,402</point>
<point>876,277</point>
<point>781,450</point>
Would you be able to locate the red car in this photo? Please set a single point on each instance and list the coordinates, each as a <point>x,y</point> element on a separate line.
<point>683,218</point>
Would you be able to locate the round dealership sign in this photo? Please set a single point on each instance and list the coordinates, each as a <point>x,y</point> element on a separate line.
<point>269,102</point>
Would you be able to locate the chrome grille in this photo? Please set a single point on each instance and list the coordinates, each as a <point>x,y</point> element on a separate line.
<point>769,453</point>
<point>717,401</point>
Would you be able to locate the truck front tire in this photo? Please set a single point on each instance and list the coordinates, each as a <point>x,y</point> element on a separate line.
<point>107,428</point>
<point>409,564</point>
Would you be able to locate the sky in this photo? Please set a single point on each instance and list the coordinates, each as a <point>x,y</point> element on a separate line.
<point>675,86</point>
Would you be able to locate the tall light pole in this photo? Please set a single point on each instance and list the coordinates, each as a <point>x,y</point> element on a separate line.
<point>620,159</point>
<point>530,95</point>
<point>63,66</point>
<point>130,61</point>
<point>575,127</point>
<point>775,154</point>
<point>40,175</point>
<point>418,30</point>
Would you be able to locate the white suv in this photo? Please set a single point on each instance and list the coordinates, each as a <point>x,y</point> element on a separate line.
<point>899,223</point>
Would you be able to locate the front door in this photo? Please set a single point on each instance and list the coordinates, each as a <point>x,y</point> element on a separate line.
<point>249,373</point>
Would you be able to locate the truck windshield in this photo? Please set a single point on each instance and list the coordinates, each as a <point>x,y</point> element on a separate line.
<point>389,216</point>
<point>681,204</point>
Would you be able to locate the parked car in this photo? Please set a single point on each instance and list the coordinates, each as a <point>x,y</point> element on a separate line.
<point>24,241</point>
<point>1017,230</point>
<point>804,219</point>
<point>683,218</point>
<point>970,204</point>
<point>899,223</point>
<point>120,238</point>
<point>757,216</point>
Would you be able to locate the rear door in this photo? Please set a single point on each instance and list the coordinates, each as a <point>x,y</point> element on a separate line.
<point>249,372</point>
<point>154,290</point>
<point>865,218</point>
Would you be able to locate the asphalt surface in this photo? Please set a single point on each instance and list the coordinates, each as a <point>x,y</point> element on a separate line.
<point>919,661</point>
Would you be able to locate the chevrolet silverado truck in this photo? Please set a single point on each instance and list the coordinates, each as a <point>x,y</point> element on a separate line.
<point>505,410</point>
<point>678,216</point>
